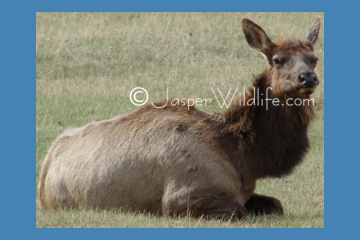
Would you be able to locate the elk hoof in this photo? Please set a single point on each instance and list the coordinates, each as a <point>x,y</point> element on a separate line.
<point>259,205</point>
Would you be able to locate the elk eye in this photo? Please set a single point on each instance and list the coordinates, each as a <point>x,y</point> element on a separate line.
<point>276,61</point>
<point>315,60</point>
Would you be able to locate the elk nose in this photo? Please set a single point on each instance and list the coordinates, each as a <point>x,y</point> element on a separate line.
<point>308,79</point>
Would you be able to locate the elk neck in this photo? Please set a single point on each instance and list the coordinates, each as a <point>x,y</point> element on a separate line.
<point>267,140</point>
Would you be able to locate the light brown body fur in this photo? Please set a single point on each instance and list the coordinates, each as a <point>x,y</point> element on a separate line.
<point>138,161</point>
<point>186,161</point>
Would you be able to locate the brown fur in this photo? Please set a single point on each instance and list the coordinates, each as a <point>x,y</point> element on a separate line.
<point>181,160</point>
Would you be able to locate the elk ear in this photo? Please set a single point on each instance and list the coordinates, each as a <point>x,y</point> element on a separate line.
<point>255,36</point>
<point>313,32</point>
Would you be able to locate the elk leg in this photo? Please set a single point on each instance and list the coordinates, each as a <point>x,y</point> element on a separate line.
<point>259,204</point>
<point>218,209</point>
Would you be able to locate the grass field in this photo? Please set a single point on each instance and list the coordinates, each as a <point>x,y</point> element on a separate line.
<point>87,64</point>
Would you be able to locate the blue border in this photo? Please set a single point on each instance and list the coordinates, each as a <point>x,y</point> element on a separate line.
<point>18,86</point>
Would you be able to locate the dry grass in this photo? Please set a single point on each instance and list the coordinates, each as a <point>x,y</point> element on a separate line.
<point>87,64</point>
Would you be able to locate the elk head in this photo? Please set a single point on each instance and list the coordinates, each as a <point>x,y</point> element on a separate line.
<point>291,62</point>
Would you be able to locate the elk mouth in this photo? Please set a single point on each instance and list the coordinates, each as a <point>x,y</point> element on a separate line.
<point>305,91</point>
<point>307,83</point>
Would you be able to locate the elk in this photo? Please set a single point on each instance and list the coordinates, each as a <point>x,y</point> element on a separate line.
<point>181,160</point>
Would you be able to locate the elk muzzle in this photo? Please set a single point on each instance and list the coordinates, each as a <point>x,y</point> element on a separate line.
<point>308,79</point>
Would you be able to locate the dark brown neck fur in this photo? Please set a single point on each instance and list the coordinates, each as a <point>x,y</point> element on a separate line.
<point>265,143</point>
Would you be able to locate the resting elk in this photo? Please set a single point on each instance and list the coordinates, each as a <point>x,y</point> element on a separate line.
<point>181,160</point>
